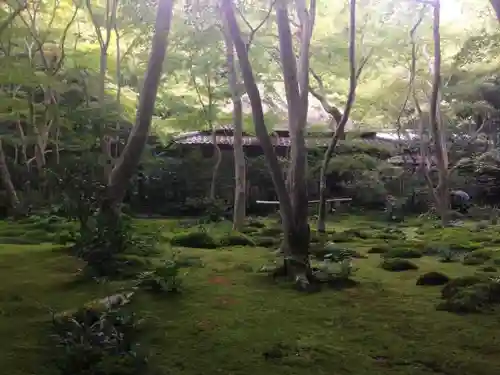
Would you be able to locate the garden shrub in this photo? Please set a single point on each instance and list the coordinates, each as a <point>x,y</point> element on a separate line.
<point>397,265</point>
<point>162,279</point>
<point>236,239</point>
<point>196,239</point>
<point>447,255</point>
<point>433,278</point>
<point>112,248</point>
<point>97,340</point>
<point>470,294</point>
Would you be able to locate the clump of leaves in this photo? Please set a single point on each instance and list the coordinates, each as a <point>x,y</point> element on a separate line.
<point>113,248</point>
<point>236,239</point>
<point>433,278</point>
<point>199,239</point>
<point>447,255</point>
<point>398,265</point>
<point>470,294</point>
<point>97,339</point>
<point>162,279</point>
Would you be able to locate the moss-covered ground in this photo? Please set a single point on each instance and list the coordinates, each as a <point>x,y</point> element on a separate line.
<point>231,319</point>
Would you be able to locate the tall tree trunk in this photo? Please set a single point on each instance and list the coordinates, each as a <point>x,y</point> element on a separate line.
<point>239,210</point>
<point>437,126</point>
<point>258,115</point>
<point>7,181</point>
<point>296,80</point>
<point>292,195</point>
<point>130,157</point>
<point>340,128</point>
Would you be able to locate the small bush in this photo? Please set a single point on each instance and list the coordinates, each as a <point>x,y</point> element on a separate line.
<point>97,340</point>
<point>433,278</point>
<point>236,239</point>
<point>113,249</point>
<point>398,265</point>
<point>197,240</point>
<point>447,255</point>
<point>470,294</point>
<point>163,279</point>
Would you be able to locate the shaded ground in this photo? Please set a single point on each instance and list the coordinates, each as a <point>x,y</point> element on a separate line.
<point>233,320</point>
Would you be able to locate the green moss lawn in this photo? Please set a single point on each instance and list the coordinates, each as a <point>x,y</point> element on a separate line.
<point>231,319</point>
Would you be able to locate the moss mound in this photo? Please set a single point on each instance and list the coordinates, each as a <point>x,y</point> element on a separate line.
<point>489,269</point>
<point>433,278</point>
<point>237,239</point>
<point>398,265</point>
<point>198,240</point>
<point>403,253</point>
<point>379,249</point>
<point>267,241</point>
<point>270,232</point>
<point>470,294</point>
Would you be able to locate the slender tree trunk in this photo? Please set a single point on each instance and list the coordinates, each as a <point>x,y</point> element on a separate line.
<point>296,80</point>
<point>217,159</point>
<point>258,114</point>
<point>437,125</point>
<point>7,181</point>
<point>239,210</point>
<point>339,130</point>
<point>130,157</point>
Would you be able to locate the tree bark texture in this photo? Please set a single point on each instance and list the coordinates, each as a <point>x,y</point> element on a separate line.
<point>12,197</point>
<point>292,194</point>
<point>437,127</point>
<point>239,209</point>
<point>136,142</point>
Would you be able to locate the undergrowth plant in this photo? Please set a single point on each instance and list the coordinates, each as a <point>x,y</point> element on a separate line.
<point>97,340</point>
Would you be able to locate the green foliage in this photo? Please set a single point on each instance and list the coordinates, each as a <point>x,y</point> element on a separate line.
<point>397,265</point>
<point>200,239</point>
<point>112,248</point>
<point>94,340</point>
<point>162,279</point>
